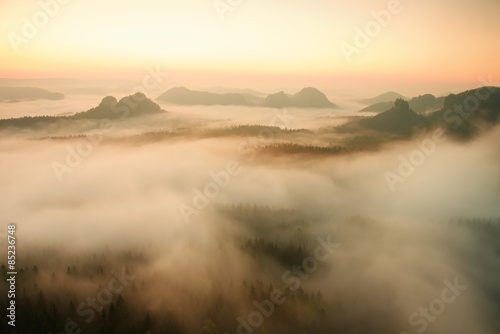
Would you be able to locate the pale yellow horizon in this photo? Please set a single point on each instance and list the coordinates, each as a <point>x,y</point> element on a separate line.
<point>442,44</point>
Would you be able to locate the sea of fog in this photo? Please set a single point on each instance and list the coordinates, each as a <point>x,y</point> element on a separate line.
<point>220,115</point>
<point>397,249</point>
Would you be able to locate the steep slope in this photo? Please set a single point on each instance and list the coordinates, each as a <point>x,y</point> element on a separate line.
<point>129,106</point>
<point>426,102</point>
<point>400,119</point>
<point>385,97</point>
<point>419,104</point>
<point>110,108</point>
<point>378,107</point>
<point>465,113</point>
<point>277,100</point>
<point>308,97</point>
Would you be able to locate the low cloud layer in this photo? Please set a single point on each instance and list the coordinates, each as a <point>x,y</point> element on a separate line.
<point>398,249</point>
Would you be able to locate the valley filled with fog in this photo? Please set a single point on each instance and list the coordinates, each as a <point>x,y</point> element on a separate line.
<point>249,219</point>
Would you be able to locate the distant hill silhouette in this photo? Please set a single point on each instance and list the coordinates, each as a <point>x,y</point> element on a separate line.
<point>385,97</point>
<point>378,107</point>
<point>419,104</point>
<point>464,115</point>
<point>109,108</point>
<point>133,106</point>
<point>28,93</point>
<point>277,100</point>
<point>184,96</point>
<point>400,120</point>
<point>306,98</point>
<point>224,90</point>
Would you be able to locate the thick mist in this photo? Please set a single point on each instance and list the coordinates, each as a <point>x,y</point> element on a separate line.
<point>205,224</point>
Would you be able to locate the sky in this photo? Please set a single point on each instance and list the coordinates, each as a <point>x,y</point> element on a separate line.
<point>419,45</point>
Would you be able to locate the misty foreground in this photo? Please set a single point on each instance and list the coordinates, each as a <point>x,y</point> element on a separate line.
<point>157,222</point>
